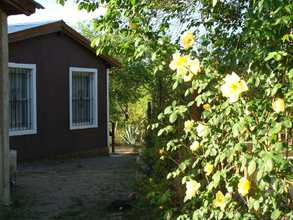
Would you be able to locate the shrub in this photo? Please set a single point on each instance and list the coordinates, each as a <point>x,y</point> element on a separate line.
<point>233,162</point>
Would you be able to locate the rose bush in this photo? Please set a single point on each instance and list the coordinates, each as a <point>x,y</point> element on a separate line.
<point>234,161</point>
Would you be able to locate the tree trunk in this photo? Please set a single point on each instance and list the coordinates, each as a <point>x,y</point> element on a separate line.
<point>113,136</point>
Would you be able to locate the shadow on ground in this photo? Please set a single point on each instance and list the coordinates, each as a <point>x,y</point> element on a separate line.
<point>79,189</point>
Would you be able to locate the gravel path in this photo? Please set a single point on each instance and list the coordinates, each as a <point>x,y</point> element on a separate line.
<point>55,186</point>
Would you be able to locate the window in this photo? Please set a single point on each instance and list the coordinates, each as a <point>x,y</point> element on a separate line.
<point>22,99</point>
<point>83,98</point>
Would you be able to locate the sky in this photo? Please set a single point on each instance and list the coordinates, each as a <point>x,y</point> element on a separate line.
<point>52,12</point>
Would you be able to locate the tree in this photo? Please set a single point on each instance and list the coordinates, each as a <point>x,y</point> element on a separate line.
<point>129,83</point>
<point>141,53</point>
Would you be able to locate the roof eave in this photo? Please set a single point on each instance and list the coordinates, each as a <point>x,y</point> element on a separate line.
<point>61,26</point>
<point>15,7</point>
<point>85,42</point>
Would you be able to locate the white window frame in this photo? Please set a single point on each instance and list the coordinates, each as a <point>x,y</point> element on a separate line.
<point>33,67</point>
<point>95,104</point>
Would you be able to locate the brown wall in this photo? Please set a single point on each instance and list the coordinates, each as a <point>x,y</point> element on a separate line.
<point>53,54</point>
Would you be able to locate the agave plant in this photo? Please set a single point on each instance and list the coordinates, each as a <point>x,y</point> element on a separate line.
<point>130,135</point>
<point>133,134</point>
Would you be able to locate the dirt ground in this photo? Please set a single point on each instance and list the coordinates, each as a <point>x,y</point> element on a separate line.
<point>53,188</point>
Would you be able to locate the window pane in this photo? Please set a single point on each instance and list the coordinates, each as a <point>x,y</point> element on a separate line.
<point>82,98</point>
<point>20,99</point>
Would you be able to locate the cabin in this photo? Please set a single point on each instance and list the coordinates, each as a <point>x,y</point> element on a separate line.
<point>58,96</point>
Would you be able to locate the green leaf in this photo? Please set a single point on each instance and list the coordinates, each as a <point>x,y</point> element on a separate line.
<point>251,167</point>
<point>62,2</point>
<point>161,116</point>
<point>276,88</point>
<point>291,74</point>
<point>276,55</point>
<point>259,175</point>
<point>160,132</point>
<point>277,128</point>
<point>287,123</point>
<point>175,85</point>
<point>173,117</point>
<point>276,214</point>
<point>278,147</point>
<point>133,2</point>
<point>235,130</point>
<point>268,164</point>
<point>215,3</point>
<point>168,110</point>
<point>190,104</point>
<point>217,178</point>
<point>256,205</point>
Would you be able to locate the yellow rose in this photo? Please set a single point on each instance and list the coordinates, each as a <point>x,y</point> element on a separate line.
<point>194,66</point>
<point>194,146</point>
<point>192,188</point>
<point>278,105</point>
<point>243,186</point>
<point>202,130</point>
<point>219,201</point>
<point>206,107</point>
<point>179,62</point>
<point>233,87</point>
<point>186,68</point>
<point>188,125</point>
<point>187,40</point>
<point>208,169</point>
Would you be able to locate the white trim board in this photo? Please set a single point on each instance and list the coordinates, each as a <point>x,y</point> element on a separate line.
<point>108,103</point>
<point>33,67</point>
<point>95,91</point>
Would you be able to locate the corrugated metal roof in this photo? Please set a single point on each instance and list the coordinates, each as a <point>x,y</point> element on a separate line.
<point>21,27</point>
